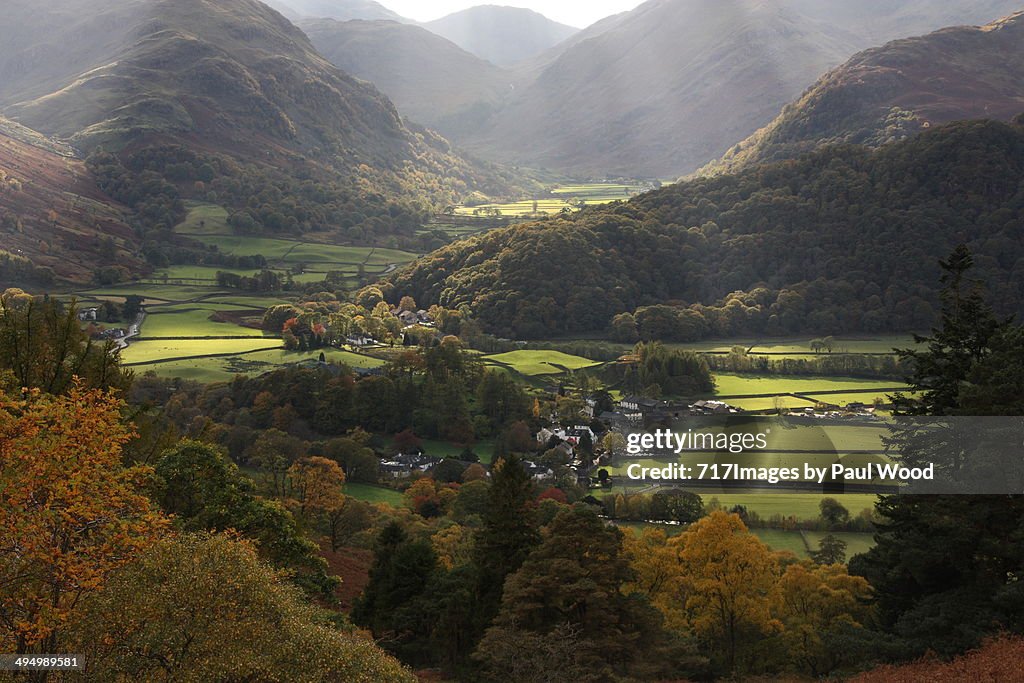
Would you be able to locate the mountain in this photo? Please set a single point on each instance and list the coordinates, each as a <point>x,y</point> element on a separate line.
<point>843,240</point>
<point>55,222</point>
<point>901,89</point>
<point>342,10</point>
<point>501,35</point>
<point>674,84</point>
<point>430,79</point>
<point>668,86</point>
<point>232,74</point>
<point>880,21</point>
<point>224,101</point>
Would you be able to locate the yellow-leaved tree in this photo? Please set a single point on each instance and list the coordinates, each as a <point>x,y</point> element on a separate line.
<point>732,585</point>
<point>70,512</point>
<point>821,605</point>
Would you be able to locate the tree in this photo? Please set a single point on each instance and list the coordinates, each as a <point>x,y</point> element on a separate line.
<point>205,491</point>
<point>391,604</point>
<point>573,581</point>
<point>201,607</point>
<point>70,513</point>
<point>507,535</point>
<point>942,565</point>
<point>317,484</point>
<point>831,550</point>
<point>658,575</point>
<point>614,442</point>
<point>833,512</point>
<point>733,585</point>
<point>44,346</point>
<point>824,610</point>
<point>357,460</point>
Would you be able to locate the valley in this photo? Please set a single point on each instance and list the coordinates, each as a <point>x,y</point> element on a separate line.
<point>394,342</point>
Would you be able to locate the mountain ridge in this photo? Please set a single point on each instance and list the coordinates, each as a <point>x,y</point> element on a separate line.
<point>896,91</point>
<point>500,34</point>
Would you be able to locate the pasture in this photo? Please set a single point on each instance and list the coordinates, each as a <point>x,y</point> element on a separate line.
<point>774,385</point>
<point>373,494</point>
<point>565,197</point>
<point>536,363</point>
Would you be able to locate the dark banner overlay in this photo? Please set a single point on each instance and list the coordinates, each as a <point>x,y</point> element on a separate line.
<point>905,455</point>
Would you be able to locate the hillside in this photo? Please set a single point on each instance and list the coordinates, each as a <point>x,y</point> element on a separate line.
<point>901,89</point>
<point>430,79</point>
<point>674,84</point>
<point>845,240</point>
<point>342,10</point>
<point>53,214</point>
<point>501,35</point>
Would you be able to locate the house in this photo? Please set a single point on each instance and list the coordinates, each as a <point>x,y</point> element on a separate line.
<point>574,434</point>
<point>113,333</point>
<point>360,341</point>
<point>88,314</point>
<point>636,408</point>
<point>405,464</point>
<point>408,318</point>
<point>537,472</point>
<point>712,408</point>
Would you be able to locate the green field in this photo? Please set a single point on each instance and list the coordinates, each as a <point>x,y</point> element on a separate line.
<point>223,369</point>
<point>204,219</point>
<point>803,506</point>
<point>444,449</point>
<point>193,320</point>
<point>159,349</point>
<point>534,363</point>
<point>855,543</point>
<point>373,494</point>
<point>750,385</point>
<point>564,197</point>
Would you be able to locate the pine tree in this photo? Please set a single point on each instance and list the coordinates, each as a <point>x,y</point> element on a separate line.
<point>943,566</point>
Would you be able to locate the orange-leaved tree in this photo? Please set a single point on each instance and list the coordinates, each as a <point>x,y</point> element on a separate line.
<point>733,584</point>
<point>70,512</point>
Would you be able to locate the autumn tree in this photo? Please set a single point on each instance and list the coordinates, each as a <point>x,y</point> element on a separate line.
<point>70,513</point>
<point>316,483</point>
<point>658,575</point>
<point>201,608</point>
<point>732,586</point>
<point>823,609</point>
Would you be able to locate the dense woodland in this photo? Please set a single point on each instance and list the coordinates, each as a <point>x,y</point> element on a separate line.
<point>482,572</point>
<point>843,240</point>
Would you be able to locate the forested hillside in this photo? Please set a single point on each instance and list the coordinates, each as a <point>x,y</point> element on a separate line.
<point>900,89</point>
<point>844,240</point>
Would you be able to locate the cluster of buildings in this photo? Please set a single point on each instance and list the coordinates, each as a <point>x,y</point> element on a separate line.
<point>413,318</point>
<point>404,465</point>
<point>826,411</point>
<point>632,411</point>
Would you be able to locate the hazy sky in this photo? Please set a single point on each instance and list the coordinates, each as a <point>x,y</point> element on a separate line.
<point>579,13</point>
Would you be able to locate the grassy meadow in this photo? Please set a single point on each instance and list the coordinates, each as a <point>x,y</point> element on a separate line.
<point>571,197</point>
